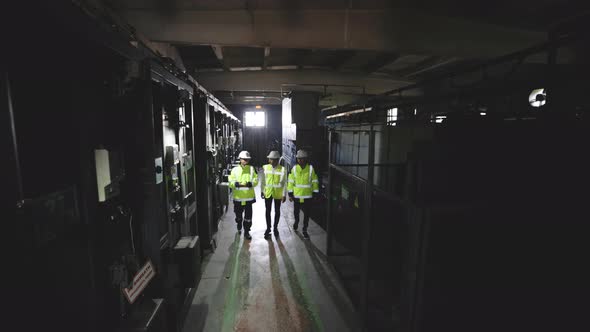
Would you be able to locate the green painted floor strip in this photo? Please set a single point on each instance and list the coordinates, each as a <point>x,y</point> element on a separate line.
<point>300,289</point>
<point>230,306</point>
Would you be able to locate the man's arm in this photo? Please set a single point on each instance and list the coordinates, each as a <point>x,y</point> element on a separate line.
<point>262,180</point>
<point>254,178</point>
<point>290,185</point>
<point>284,183</point>
<point>315,184</point>
<point>262,183</point>
<point>232,180</point>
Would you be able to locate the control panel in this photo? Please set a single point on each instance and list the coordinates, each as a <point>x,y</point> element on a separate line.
<point>109,172</point>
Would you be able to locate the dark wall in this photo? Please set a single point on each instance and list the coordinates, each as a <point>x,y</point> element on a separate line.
<point>260,140</point>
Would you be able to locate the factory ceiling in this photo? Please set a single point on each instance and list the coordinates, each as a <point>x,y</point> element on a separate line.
<point>342,49</point>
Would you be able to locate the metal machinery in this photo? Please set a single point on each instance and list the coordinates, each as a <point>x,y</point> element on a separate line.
<point>218,138</point>
<point>470,198</point>
<point>302,130</point>
<point>111,147</point>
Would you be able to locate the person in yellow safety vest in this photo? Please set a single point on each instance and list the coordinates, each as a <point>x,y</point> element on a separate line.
<point>303,185</point>
<point>272,189</point>
<point>242,181</point>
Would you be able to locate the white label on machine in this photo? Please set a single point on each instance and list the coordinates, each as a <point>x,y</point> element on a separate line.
<point>159,170</point>
<point>103,172</point>
<point>140,281</point>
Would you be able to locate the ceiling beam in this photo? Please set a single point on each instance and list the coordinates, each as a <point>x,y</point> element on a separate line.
<point>273,80</point>
<point>218,50</point>
<point>428,64</point>
<point>275,98</point>
<point>381,61</point>
<point>341,59</point>
<point>394,30</point>
<point>300,56</point>
<point>266,55</point>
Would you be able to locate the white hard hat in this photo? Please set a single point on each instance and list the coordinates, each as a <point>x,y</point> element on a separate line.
<point>302,154</point>
<point>274,155</point>
<point>244,155</point>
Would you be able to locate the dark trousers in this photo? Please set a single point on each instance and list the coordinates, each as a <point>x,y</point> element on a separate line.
<point>306,208</point>
<point>240,209</point>
<point>268,204</point>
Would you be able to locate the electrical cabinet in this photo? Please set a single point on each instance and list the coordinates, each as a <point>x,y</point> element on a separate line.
<point>188,257</point>
<point>172,161</point>
<point>150,317</point>
<point>125,192</point>
<point>109,173</point>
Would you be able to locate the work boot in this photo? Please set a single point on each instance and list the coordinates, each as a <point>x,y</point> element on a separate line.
<point>267,234</point>
<point>247,226</point>
<point>239,224</point>
<point>305,235</point>
<point>296,225</point>
<point>276,232</point>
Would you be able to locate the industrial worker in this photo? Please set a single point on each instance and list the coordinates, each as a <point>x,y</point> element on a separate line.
<point>273,189</point>
<point>242,180</point>
<point>302,186</point>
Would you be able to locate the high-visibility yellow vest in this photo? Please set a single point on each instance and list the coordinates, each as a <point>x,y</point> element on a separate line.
<point>303,182</point>
<point>273,184</point>
<point>243,174</point>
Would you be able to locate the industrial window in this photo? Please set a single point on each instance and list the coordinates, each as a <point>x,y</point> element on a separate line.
<point>391,116</point>
<point>254,119</point>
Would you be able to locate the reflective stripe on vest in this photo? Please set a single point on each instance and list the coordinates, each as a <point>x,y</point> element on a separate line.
<point>274,177</point>
<point>243,199</point>
<point>302,191</point>
<point>243,194</point>
<point>310,175</point>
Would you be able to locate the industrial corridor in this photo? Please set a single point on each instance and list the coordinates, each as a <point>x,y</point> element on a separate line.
<point>281,284</point>
<point>429,160</point>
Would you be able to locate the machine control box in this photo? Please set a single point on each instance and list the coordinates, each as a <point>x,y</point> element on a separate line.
<point>109,172</point>
<point>188,257</point>
<point>172,160</point>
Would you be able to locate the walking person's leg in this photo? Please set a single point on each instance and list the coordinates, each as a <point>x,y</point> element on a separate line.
<point>238,210</point>
<point>306,208</point>
<point>247,220</point>
<point>277,215</point>
<point>296,207</point>
<point>268,205</point>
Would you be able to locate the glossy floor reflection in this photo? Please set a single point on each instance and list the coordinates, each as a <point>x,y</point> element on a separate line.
<point>282,284</point>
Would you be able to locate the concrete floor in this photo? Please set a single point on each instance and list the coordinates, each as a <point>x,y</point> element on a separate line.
<point>283,284</point>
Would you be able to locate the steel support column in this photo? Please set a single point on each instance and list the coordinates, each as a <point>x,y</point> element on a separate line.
<point>366,231</point>
<point>18,177</point>
<point>329,197</point>
<point>151,212</point>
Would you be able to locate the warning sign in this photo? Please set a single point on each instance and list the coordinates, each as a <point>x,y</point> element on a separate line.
<point>140,282</point>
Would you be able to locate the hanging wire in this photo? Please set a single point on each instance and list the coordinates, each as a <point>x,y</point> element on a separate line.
<point>131,232</point>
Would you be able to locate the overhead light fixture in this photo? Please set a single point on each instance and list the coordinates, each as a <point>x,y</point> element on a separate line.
<point>245,68</point>
<point>439,118</point>
<point>538,98</point>
<point>286,67</point>
<point>362,110</point>
<point>258,107</point>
